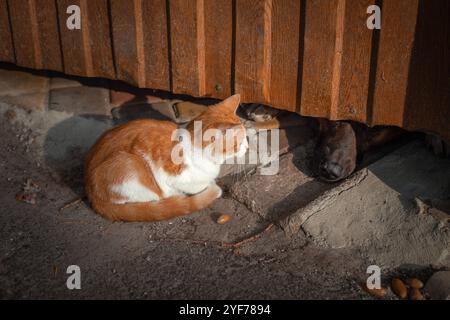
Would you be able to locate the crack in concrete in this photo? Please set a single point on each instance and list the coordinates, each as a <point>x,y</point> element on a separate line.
<point>293,223</point>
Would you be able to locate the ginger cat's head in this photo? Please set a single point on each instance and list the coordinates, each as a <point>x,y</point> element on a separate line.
<point>219,131</point>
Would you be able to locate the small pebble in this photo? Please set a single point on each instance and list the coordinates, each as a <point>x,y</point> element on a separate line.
<point>26,197</point>
<point>379,293</point>
<point>10,115</point>
<point>399,288</point>
<point>415,294</point>
<point>224,218</point>
<point>414,283</point>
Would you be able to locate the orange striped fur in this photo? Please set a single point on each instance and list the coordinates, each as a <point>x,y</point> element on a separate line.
<point>130,174</point>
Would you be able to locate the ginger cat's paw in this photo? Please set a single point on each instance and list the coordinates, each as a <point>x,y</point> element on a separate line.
<point>216,190</point>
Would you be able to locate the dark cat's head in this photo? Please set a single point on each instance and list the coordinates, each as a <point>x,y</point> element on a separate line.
<point>337,151</point>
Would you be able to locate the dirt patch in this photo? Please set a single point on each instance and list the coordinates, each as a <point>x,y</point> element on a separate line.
<point>182,258</point>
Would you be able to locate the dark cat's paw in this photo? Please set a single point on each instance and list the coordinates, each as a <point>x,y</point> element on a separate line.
<point>248,124</point>
<point>260,113</point>
<point>439,146</point>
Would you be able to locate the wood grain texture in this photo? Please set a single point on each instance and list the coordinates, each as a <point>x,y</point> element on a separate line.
<point>218,48</point>
<point>128,41</point>
<point>284,55</point>
<point>318,57</point>
<point>97,38</point>
<point>253,47</point>
<point>427,105</point>
<point>6,44</point>
<point>48,35</point>
<point>398,25</point>
<point>25,33</point>
<point>36,36</point>
<point>156,44</point>
<point>188,46</point>
<point>337,63</point>
<point>77,61</point>
<point>352,88</point>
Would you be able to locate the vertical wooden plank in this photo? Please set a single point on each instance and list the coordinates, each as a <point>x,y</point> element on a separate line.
<point>48,35</point>
<point>355,64</point>
<point>87,52</point>
<point>319,53</point>
<point>394,56</point>
<point>284,54</point>
<point>156,44</point>
<point>253,45</point>
<point>77,60</point>
<point>188,46</point>
<point>218,47</point>
<point>35,32</point>
<point>128,41</point>
<point>6,47</point>
<point>428,91</point>
<point>337,61</point>
<point>25,33</point>
<point>98,38</point>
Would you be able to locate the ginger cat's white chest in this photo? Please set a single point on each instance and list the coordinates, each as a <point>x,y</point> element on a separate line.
<point>198,174</point>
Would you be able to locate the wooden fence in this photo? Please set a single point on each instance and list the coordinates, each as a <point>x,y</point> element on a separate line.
<point>316,57</point>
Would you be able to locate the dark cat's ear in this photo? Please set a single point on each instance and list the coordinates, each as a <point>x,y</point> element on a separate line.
<point>230,104</point>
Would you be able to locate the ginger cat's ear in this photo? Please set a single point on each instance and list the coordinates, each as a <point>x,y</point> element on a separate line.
<point>230,104</point>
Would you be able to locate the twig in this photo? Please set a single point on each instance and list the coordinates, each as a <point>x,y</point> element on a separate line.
<point>55,271</point>
<point>193,241</point>
<point>221,244</point>
<point>70,204</point>
<point>77,221</point>
<point>253,237</point>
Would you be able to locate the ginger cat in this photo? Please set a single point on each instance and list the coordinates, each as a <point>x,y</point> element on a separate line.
<point>131,175</point>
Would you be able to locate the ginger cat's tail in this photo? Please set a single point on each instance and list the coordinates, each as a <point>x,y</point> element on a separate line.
<point>163,209</point>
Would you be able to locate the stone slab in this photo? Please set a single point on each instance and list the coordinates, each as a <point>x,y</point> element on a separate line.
<point>389,211</point>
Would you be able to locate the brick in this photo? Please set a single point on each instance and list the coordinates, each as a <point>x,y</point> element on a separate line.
<point>24,89</point>
<point>29,101</point>
<point>81,100</point>
<point>61,83</point>
<point>121,98</point>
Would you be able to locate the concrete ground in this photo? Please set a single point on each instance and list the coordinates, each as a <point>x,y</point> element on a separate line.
<point>393,213</point>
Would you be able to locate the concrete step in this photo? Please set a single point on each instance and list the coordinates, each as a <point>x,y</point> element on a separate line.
<point>392,212</point>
